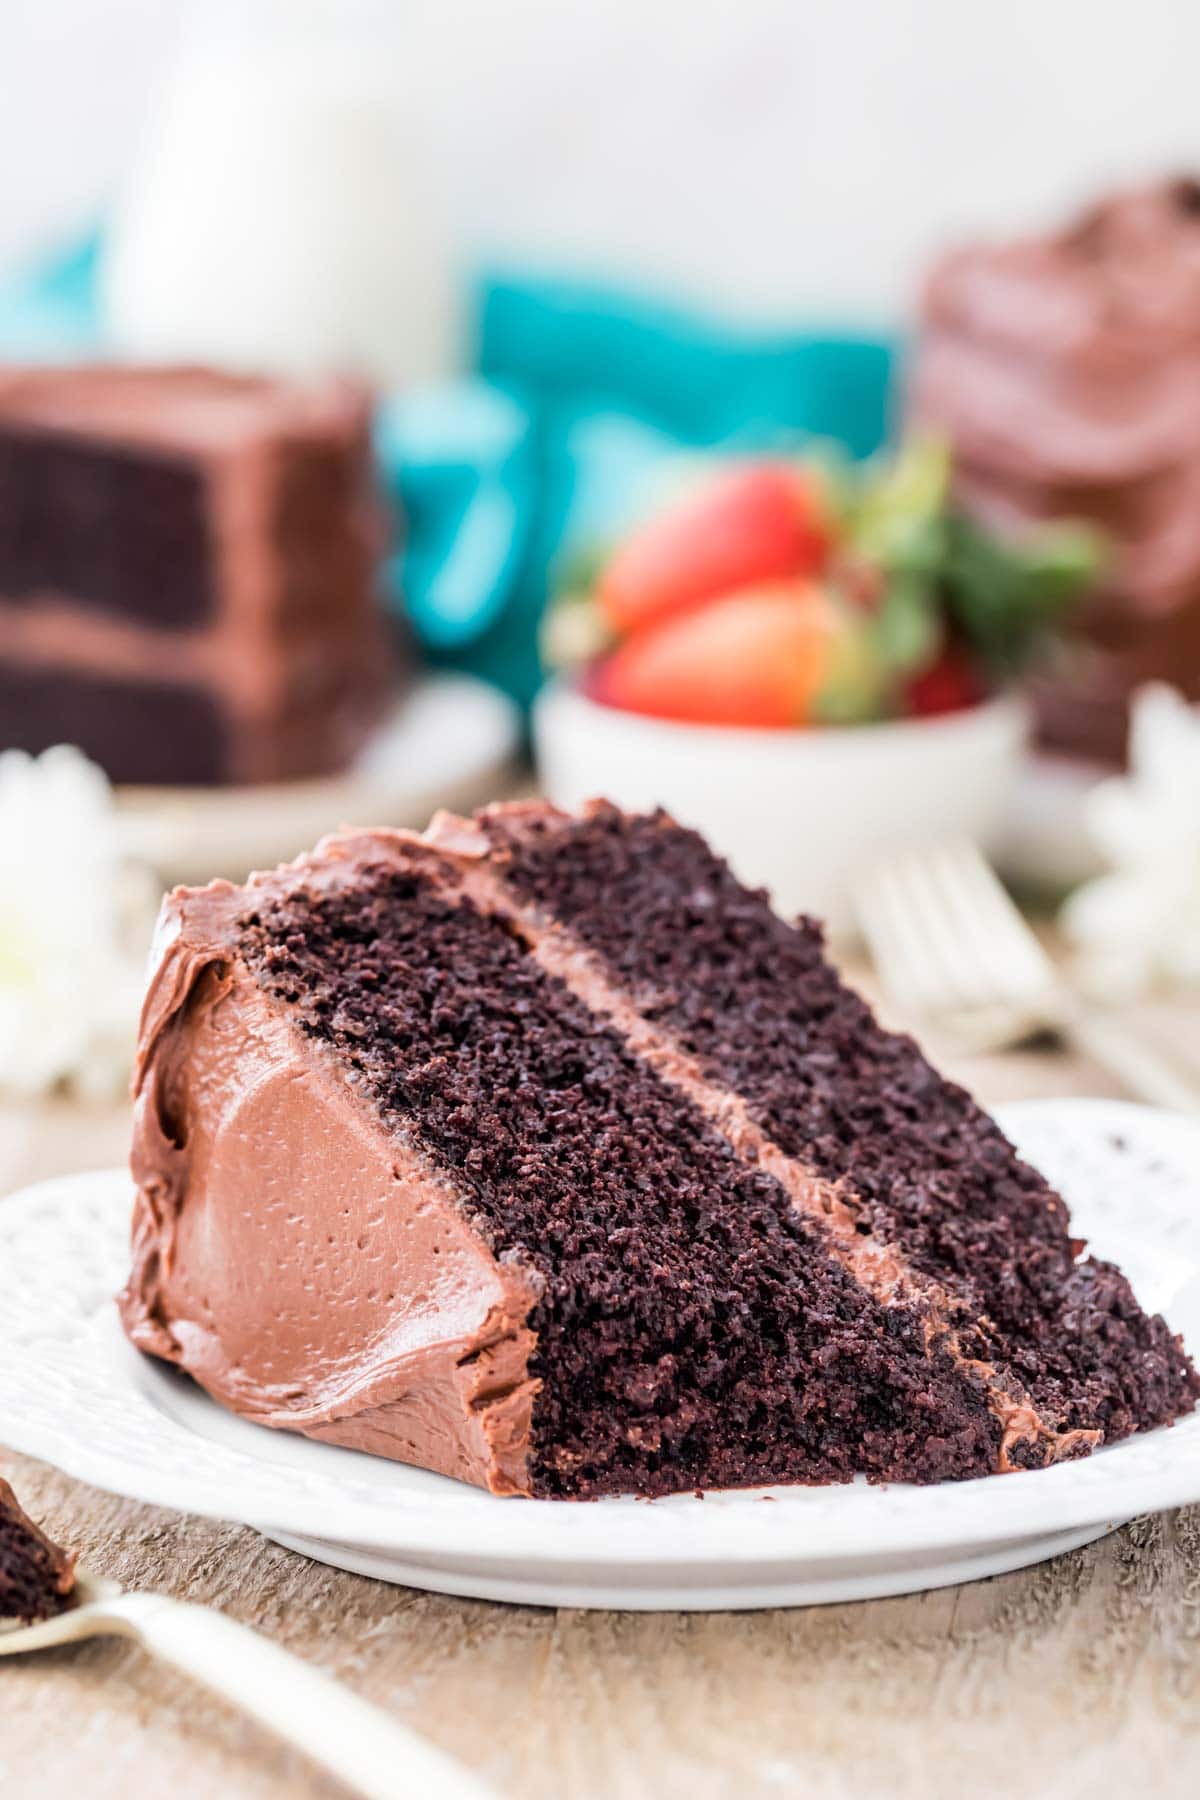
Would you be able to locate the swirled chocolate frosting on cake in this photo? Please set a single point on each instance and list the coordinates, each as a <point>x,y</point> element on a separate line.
<point>540,1152</point>
<point>188,572</point>
<point>1065,370</point>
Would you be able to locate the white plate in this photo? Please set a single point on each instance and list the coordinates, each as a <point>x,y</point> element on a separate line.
<point>448,743</point>
<point>74,1393</point>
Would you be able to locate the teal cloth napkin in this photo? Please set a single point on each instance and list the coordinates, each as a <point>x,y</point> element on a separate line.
<point>579,393</point>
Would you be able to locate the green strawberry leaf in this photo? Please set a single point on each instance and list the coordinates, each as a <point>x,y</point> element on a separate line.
<point>857,686</point>
<point>900,505</point>
<point>907,629</point>
<point>1005,598</point>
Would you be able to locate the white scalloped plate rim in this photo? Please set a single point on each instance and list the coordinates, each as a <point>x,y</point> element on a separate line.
<point>73,1393</point>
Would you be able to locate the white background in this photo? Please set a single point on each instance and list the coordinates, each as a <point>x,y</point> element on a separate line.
<point>773,156</point>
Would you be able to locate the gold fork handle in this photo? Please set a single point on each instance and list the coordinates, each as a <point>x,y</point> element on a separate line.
<point>1136,1066</point>
<point>356,1742</point>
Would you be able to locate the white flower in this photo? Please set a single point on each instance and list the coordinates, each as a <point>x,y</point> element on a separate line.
<point>71,914</point>
<point>1140,924</point>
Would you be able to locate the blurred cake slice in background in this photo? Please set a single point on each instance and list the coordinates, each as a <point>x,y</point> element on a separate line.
<point>188,566</point>
<point>1065,371</point>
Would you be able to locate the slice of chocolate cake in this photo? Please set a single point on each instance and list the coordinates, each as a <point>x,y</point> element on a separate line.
<point>187,573</point>
<point>36,1577</point>
<point>538,1151</point>
<point>1063,367</point>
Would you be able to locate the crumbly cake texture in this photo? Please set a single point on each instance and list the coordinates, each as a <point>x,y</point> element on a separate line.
<point>188,569</point>
<point>764,1012</point>
<point>760,1238</point>
<point>36,1577</point>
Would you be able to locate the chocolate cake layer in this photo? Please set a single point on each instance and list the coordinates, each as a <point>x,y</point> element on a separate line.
<point>120,529</point>
<point>755,1001</point>
<point>112,720</point>
<point>36,1577</point>
<point>577,1173</point>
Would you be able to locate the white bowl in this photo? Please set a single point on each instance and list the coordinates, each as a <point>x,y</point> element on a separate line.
<point>794,811</point>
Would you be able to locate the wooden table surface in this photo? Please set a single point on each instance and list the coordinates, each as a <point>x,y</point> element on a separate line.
<point>1080,1677</point>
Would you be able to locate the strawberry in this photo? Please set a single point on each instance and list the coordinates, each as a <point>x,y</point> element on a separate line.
<point>757,522</point>
<point>760,656</point>
<point>948,685</point>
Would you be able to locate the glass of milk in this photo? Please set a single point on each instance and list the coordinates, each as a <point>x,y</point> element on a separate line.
<point>281,216</point>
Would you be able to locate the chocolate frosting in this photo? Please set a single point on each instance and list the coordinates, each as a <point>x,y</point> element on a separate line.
<point>188,408</point>
<point>308,1270</point>
<point>1065,370</point>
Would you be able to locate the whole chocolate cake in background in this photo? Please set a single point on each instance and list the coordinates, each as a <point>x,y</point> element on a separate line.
<point>188,573</point>
<point>538,1151</point>
<point>36,1577</point>
<point>1065,371</point>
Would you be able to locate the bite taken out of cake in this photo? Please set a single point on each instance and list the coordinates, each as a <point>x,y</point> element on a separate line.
<point>36,1576</point>
<point>539,1152</point>
<point>188,573</point>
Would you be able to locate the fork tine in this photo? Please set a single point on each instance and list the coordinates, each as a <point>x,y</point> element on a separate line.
<point>948,940</point>
<point>970,976</point>
<point>933,982</point>
<point>892,925</point>
<point>988,919</point>
<point>936,975</point>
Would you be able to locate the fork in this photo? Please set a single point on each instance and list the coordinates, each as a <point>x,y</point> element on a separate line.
<point>358,1744</point>
<point>950,946</point>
